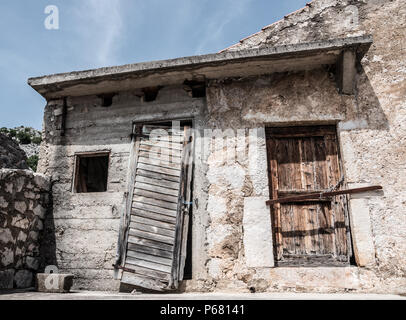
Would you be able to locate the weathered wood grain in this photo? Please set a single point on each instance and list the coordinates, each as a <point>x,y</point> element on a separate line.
<point>302,162</point>
<point>142,281</point>
<point>150,243</point>
<point>156,189</point>
<point>152,229</point>
<point>149,250</point>
<point>151,236</point>
<point>154,202</point>
<point>148,264</point>
<point>153,168</point>
<point>149,257</point>
<point>152,222</point>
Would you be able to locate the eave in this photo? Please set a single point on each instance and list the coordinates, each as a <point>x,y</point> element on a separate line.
<point>244,63</point>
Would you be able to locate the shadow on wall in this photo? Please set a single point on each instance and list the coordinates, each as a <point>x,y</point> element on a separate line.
<point>48,240</point>
<point>367,112</point>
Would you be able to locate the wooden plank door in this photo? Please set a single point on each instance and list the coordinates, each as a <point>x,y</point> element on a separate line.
<point>306,160</point>
<point>155,245</point>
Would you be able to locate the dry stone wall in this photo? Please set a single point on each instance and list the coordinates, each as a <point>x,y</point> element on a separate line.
<point>24,199</point>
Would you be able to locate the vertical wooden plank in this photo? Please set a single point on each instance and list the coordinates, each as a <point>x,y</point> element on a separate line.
<point>339,220</point>
<point>309,211</point>
<point>126,217</point>
<point>273,150</point>
<point>187,197</point>
<point>174,282</point>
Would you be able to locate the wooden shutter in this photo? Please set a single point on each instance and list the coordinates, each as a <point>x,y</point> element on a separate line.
<point>305,160</point>
<point>156,232</point>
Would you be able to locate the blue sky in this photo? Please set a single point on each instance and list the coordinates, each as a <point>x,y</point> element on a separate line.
<point>97,33</point>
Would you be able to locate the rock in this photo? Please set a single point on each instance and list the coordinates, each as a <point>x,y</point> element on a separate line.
<point>32,263</point>
<point>6,279</point>
<point>42,181</point>
<point>29,195</point>
<point>11,155</point>
<point>33,235</point>
<point>7,257</point>
<point>20,221</point>
<point>20,206</point>
<point>6,236</point>
<point>3,203</point>
<point>23,279</point>
<point>22,236</point>
<point>54,283</point>
<point>39,211</point>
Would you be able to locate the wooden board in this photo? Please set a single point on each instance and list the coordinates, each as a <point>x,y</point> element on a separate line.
<point>153,248</point>
<point>304,160</point>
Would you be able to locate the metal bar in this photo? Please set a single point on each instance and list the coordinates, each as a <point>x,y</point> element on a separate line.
<point>123,268</point>
<point>321,195</point>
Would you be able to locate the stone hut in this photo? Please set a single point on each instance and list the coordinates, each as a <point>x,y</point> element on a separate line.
<point>162,171</point>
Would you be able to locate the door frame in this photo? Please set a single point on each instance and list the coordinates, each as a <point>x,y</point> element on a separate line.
<point>303,130</point>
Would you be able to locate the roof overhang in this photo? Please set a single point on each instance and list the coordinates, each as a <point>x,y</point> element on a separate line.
<point>244,63</point>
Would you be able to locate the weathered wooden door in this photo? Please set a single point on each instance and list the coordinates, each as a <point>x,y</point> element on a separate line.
<point>155,235</point>
<point>306,160</point>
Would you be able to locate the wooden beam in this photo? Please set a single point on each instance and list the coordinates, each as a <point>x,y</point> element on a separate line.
<point>347,72</point>
<point>322,195</point>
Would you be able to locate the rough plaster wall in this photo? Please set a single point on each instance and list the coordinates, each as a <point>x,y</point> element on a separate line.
<point>379,146</point>
<point>24,200</point>
<point>82,233</point>
<point>238,169</point>
<point>372,127</point>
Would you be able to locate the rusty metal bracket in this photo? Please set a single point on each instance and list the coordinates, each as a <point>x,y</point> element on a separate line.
<point>123,268</point>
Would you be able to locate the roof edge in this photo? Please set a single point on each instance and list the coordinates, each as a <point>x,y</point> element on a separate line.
<point>200,60</point>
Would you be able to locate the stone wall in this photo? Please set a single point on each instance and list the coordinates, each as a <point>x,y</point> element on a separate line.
<point>372,134</point>
<point>24,199</point>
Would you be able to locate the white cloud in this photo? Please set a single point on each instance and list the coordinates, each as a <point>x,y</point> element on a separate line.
<point>229,11</point>
<point>101,27</point>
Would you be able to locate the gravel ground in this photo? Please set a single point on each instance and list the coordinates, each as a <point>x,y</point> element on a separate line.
<point>97,295</point>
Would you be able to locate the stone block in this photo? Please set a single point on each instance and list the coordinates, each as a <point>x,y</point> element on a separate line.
<point>20,206</point>
<point>32,263</point>
<point>3,203</point>
<point>54,283</point>
<point>6,236</point>
<point>361,228</point>
<point>42,181</point>
<point>39,211</point>
<point>6,279</point>
<point>257,233</point>
<point>23,279</point>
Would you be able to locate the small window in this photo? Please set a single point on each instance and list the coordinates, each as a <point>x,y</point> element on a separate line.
<point>91,172</point>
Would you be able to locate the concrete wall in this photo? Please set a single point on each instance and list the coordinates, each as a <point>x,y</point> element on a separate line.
<point>227,253</point>
<point>24,200</point>
<point>83,230</point>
